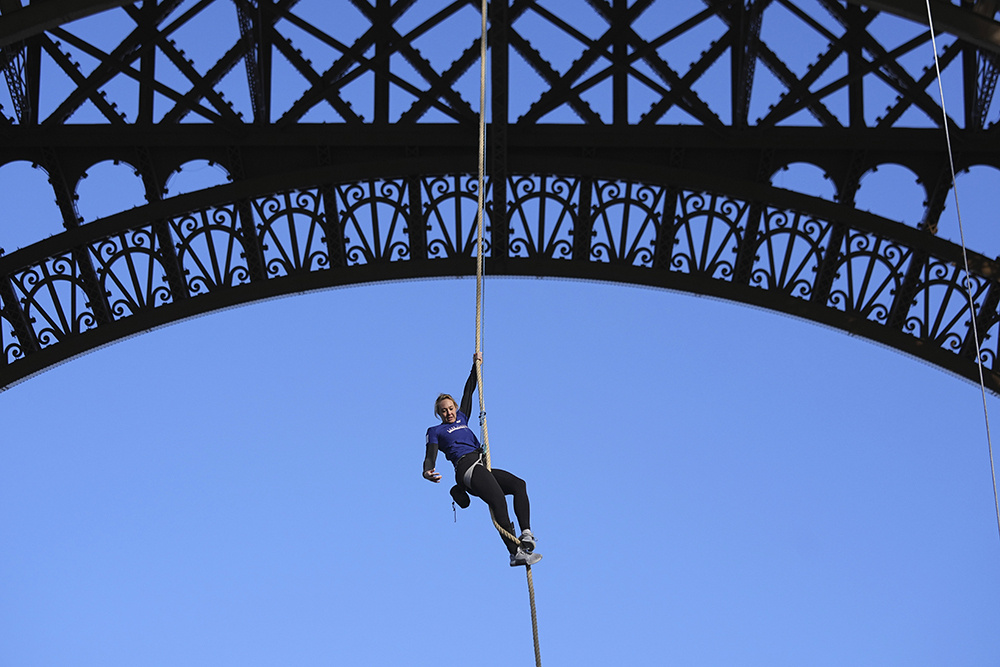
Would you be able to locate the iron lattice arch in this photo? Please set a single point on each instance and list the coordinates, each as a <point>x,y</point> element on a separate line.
<point>611,158</point>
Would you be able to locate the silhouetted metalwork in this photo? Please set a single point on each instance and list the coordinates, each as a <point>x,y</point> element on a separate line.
<point>365,173</point>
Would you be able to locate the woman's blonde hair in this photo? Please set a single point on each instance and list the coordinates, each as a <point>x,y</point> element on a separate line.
<point>440,398</point>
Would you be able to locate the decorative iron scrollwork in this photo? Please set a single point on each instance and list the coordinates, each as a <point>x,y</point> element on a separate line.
<point>627,217</point>
<point>9,344</point>
<point>989,341</point>
<point>373,217</point>
<point>543,213</point>
<point>869,272</point>
<point>54,299</point>
<point>709,229</point>
<point>451,215</point>
<point>789,248</point>
<point>704,236</point>
<point>130,272</point>
<point>292,230</point>
<point>940,309</point>
<point>210,249</point>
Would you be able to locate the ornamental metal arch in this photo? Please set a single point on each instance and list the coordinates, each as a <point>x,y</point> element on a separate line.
<point>614,196</point>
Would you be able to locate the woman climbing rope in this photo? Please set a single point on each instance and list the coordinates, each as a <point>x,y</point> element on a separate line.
<point>461,446</point>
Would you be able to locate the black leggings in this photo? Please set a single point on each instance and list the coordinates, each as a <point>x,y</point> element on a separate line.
<point>491,487</point>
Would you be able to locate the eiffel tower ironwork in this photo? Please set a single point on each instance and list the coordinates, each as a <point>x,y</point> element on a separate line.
<point>350,146</point>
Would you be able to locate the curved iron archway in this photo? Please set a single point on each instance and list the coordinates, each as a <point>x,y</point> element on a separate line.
<point>615,195</point>
<point>795,254</point>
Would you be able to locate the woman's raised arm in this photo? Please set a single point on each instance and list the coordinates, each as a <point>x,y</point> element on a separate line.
<point>470,386</point>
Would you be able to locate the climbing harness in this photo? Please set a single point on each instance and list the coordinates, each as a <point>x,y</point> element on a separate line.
<point>965,259</point>
<point>467,477</point>
<point>480,215</point>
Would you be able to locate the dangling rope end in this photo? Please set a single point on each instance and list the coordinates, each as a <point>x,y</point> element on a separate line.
<point>534,616</point>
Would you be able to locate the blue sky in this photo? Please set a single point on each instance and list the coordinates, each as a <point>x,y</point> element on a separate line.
<point>711,484</point>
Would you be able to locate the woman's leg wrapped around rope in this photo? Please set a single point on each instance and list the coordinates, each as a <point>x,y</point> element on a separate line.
<point>486,487</point>
<point>512,485</point>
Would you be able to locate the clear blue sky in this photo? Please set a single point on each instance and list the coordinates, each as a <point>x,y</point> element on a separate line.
<point>711,485</point>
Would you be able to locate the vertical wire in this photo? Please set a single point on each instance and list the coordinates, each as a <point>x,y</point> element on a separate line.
<point>965,260</point>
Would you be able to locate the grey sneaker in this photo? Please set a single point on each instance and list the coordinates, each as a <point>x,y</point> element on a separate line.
<point>522,557</point>
<point>527,541</point>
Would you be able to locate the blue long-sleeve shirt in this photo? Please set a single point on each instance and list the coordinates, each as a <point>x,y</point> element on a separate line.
<point>455,439</point>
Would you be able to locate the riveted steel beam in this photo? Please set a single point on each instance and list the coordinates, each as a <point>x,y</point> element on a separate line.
<point>41,16</point>
<point>963,23</point>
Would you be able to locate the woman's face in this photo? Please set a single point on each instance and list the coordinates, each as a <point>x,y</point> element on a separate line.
<point>447,411</point>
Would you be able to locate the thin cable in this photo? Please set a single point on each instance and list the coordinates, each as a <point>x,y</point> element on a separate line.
<point>965,260</point>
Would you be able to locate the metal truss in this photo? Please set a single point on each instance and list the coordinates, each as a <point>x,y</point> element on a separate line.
<point>621,165</point>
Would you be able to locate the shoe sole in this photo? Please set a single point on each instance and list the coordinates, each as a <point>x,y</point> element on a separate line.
<point>533,562</point>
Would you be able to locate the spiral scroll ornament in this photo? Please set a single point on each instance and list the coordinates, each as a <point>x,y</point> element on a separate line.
<point>55,300</point>
<point>869,273</point>
<point>789,249</point>
<point>373,217</point>
<point>130,272</point>
<point>940,309</point>
<point>709,230</point>
<point>292,230</point>
<point>627,218</point>
<point>450,215</point>
<point>211,249</point>
<point>662,234</point>
<point>543,214</point>
<point>9,344</point>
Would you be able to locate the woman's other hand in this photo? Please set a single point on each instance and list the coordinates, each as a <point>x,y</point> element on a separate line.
<point>432,476</point>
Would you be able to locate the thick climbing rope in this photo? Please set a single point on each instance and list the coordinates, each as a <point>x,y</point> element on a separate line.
<point>965,259</point>
<point>480,217</point>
